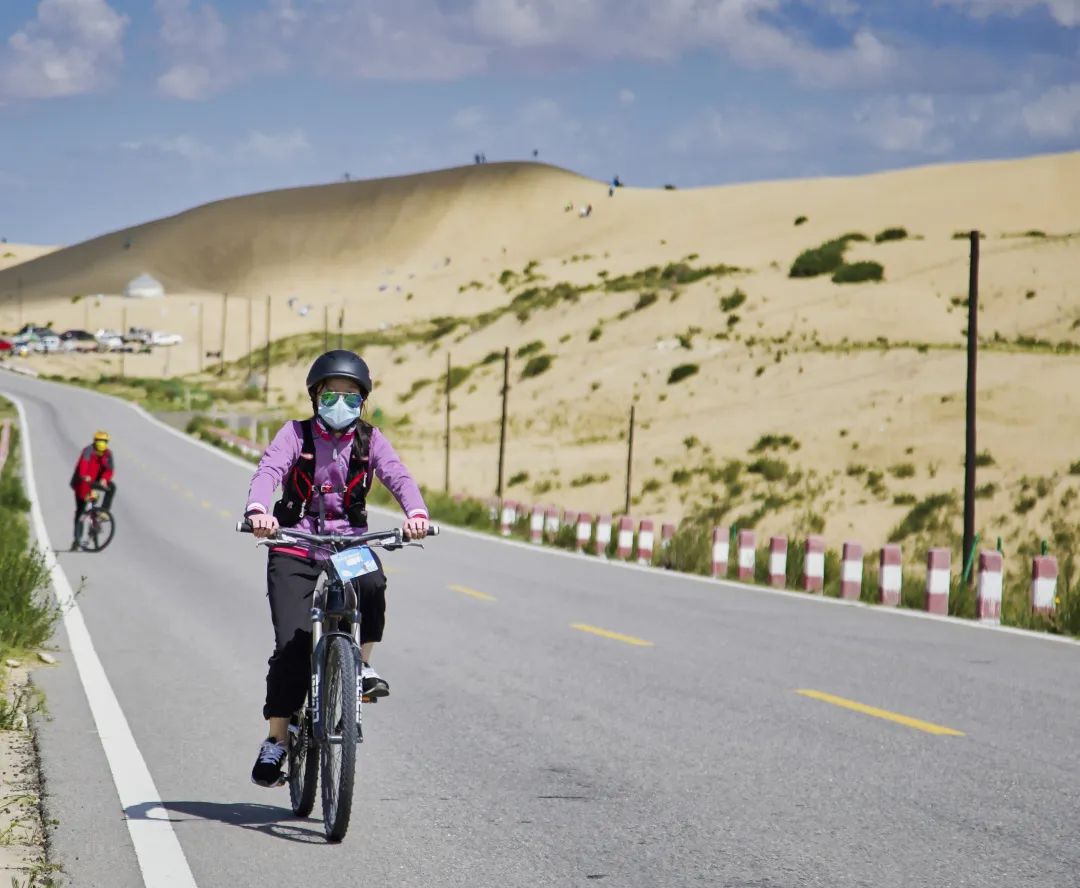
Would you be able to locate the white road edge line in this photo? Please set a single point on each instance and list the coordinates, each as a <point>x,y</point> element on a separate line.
<point>160,857</point>
<point>670,575</point>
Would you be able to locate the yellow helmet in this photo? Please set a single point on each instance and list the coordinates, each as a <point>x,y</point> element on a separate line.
<point>101,436</point>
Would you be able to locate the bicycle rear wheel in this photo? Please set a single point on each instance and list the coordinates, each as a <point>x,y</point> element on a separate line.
<point>98,528</point>
<point>338,749</point>
<point>303,765</point>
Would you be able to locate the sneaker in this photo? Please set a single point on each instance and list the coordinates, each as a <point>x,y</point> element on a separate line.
<point>75,547</point>
<point>374,684</point>
<point>267,770</point>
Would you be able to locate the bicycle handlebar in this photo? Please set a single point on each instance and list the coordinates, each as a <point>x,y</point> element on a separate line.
<point>392,538</point>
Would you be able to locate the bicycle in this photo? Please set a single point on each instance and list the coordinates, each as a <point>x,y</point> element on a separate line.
<point>96,525</point>
<point>325,731</point>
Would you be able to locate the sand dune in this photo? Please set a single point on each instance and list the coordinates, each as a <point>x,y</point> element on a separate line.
<point>795,362</point>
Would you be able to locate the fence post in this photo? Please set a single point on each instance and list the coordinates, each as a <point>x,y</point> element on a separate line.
<point>814,564</point>
<point>625,540</point>
<point>645,542</point>
<point>603,534</point>
<point>584,530</point>
<point>747,555</point>
<point>1044,575</point>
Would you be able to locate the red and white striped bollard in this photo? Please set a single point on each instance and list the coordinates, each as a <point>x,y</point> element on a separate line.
<point>746,554</point>
<point>645,542</point>
<point>721,545</point>
<point>890,575</point>
<point>624,542</point>
<point>851,570</point>
<point>584,530</point>
<point>603,534</point>
<point>536,526</point>
<point>989,586</point>
<point>778,562</point>
<point>1044,576</point>
<point>814,564</point>
<point>938,580</point>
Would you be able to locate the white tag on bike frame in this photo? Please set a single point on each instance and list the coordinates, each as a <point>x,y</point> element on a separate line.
<point>353,563</point>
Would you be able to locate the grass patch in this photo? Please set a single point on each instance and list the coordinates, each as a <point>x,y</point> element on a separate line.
<point>902,470</point>
<point>732,302</point>
<point>536,365</point>
<point>984,459</point>
<point>517,478</point>
<point>769,469</point>
<point>588,479</point>
<point>595,333</point>
<point>775,442</point>
<point>824,259</point>
<point>890,234</point>
<point>858,272</point>
<point>530,348</point>
<point>924,517</point>
<point>683,371</point>
<point>27,616</point>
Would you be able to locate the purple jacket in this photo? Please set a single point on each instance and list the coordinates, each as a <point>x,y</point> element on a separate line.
<point>331,465</point>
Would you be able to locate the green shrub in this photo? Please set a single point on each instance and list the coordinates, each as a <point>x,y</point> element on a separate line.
<point>732,302</point>
<point>651,486</point>
<point>819,260</point>
<point>800,220</point>
<point>1074,468</point>
<point>890,234</point>
<point>645,300</point>
<point>769,469</point>
<point>531,348</point>
<point>985,491</point>
<point>905,499</point>
<point>517,478</point>
<point>858,272</point>
<point>681,476</point>
<point>902,470</point>
<point>536,365</point>
<point>774,442</point>
<point>984,459</point>
<point>595,333</point>
<point>924,516</point>
<point>683,371</point>
<point>586,480</point>
<point>458,375</point>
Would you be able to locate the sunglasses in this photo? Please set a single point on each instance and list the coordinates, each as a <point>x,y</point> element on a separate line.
<point>352,400</point>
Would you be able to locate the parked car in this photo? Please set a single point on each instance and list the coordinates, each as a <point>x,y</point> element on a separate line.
<point>160,338</point>
<point>50,342</point>
<point>138,334</point>
<point>109,340</point>
<point>78,340</point>
<point>5,345</point>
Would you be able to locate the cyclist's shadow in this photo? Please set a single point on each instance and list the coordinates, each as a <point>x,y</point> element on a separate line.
<point>280,823</point>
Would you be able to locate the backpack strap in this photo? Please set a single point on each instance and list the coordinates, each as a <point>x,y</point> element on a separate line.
<point>299,482</point>
<point>359,479</point>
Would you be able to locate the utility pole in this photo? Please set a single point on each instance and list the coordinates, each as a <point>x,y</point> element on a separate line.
<point>446,473</point>
<point>224,326</point>
<point>972,355</point>
<point>123,345</point>
<point>202,344</point>
<point>502,428</point>
<point>629,461</point>
<point>266,381</point>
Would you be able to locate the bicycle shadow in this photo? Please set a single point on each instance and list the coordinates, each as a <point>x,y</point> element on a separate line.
<point>279,823</point>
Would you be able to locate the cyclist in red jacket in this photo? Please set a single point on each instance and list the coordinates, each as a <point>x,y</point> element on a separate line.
<point>94,468</point>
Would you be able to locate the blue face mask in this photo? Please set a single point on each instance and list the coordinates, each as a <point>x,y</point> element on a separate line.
<point>340,415</point>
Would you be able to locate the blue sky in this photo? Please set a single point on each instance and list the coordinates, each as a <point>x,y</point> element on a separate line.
<point>113,112</point>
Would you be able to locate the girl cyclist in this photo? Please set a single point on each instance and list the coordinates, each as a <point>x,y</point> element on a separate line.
<point>325,467</point>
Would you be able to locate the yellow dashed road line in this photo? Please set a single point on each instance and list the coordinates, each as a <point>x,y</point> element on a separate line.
<point>614,636</point>
<point>472,593</point>
<point>907,721</point>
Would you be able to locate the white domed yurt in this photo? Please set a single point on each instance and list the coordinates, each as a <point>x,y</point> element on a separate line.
<point>144,286</point>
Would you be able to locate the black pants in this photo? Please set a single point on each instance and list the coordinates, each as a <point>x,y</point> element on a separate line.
<point>290,585</point>
<point>106,504</point>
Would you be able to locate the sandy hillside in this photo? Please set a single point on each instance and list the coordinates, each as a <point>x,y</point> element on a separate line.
<point>14,254</point>
<point>865,380</point>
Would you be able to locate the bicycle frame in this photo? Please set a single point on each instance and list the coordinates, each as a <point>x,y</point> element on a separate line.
<point>333,601</point>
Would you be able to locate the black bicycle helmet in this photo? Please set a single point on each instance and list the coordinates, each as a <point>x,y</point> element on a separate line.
<point>342,364</point>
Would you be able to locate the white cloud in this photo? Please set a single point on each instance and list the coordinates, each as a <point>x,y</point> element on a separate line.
<point>734,131</point>
<point>1055,114</point>
<point>1064,12</point>
<point>189,82</point>
<point>70,47</point>
<point>469,119</point>
<point>273,147</point>
<point>907,125</point>
<point>184,146</point>
<point>627,97</point>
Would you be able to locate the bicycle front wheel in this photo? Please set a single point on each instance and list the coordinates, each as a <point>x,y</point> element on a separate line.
<point>303,765</point>
<point>98,529</point>
<point>338,753</point>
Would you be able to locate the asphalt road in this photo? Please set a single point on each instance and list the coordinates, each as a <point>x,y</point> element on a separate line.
<point>518,750</point>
